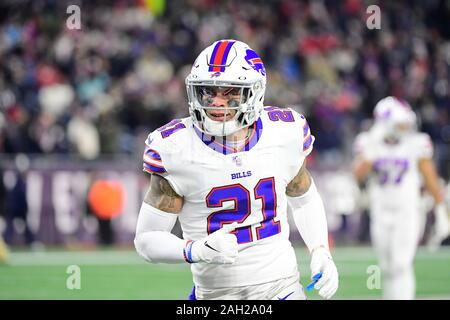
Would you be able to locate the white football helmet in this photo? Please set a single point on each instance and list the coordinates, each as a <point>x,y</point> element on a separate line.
<point>227,64</point>
<point>395,117</point>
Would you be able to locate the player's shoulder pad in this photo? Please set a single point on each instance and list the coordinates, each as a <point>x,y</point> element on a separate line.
<point>168,135</point>
<point>162,142</point>
<point>422,138</point>
<point>283,115</point>
<point>293,124</point>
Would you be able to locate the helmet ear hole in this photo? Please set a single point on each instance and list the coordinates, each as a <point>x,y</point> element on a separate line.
<point>198,115</point>
<point>246,94</point>
<point>240,117</point>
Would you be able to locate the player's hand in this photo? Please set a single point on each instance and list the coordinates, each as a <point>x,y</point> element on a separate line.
<point>220,247</point>
<point>441,228</point>
<point>321,261</point>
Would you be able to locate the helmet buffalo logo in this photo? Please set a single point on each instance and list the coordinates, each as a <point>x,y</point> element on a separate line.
<point>215,74</point>
<point>255,61</point>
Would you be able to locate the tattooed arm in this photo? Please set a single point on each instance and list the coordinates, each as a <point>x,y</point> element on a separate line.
<point>300,184</point>
<point>161,195</point>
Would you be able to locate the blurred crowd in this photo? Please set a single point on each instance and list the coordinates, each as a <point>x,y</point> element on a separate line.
<point>101,89</point>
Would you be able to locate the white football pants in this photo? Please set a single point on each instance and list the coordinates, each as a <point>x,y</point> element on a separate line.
<point>282,289</point>
<point>395,237</point>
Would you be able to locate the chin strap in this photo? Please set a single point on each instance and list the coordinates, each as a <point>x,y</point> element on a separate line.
<point>222,128</point>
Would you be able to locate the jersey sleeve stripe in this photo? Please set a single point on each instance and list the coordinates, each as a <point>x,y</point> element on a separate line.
<point>308,150</point>
<point>306,138</point>
<point>305,129</point>
<point>307,143</point>
<point>153,169</point>
<point>153,163</point>
<point>152,154</point>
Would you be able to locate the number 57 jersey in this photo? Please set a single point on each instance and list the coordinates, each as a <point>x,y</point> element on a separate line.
<point>395,182</point>
<point>221,185</point>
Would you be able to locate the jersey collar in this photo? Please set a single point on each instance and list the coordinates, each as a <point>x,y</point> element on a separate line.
<point>225,148</point>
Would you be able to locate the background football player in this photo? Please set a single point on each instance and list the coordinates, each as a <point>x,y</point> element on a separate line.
<point>227,173</point>
<point>3,251</point>
<point>395,159</point>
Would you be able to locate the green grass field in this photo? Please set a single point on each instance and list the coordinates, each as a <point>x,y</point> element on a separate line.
<point>121,274</point>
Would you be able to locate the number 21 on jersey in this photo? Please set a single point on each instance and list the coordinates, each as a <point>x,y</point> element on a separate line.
<point>264,191</point>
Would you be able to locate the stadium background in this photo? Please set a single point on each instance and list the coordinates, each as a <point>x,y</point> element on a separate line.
<point>77,105</point>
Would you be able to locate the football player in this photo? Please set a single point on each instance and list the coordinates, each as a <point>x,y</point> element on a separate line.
<point>393,158</point>
<point>227,173</point>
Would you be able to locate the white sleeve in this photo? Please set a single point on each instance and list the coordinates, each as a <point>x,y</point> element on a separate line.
<point>309,215</point>
<point>424,146</point>
<point>154,240</point>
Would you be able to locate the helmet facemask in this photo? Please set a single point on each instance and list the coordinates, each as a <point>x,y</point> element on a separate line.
<point>398,131</point>
<point>242,107</point>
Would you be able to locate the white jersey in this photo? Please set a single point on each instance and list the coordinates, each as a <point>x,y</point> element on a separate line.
<point>221,185</point>
<point>396,181</point>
